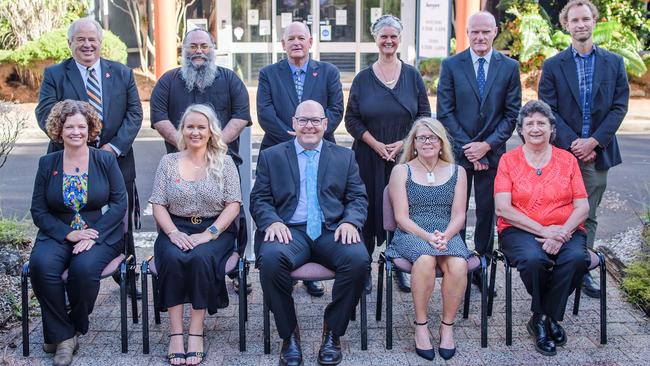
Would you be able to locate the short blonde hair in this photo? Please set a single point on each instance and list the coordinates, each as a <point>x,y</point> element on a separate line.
<point>67,108</point>
<point>564,13</point>
<point>409,153</point>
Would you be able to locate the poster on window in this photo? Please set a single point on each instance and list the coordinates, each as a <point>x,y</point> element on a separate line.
<point>286,19</point>
<point>375,13</point>
<point>265,27</point>
<point>341,17</point>
<point>433,31</point>
<point>253,17</point>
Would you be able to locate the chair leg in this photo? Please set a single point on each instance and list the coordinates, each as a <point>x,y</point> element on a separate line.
<point>468,295</point>
<point>484,295</point>
<point>24,309</point>
<point>156,308</point>
<point>508,304</point>
<point>603,299</point>
<point>363,311</point>
<point>125,348</point>
<point>576,300</point>
<point>242,305</point>
<point>389,305</point>
<point>380,286</point>
<point>267,328</point>
<point>134,301</point>
<point>353,317</point>
<point>144,272</point>
<point>493,276</point>
<point>246,271</point>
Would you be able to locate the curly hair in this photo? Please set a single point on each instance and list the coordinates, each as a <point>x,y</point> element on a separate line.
<point>530,108</point>
<point>564,13</point>
<point>64,109</point>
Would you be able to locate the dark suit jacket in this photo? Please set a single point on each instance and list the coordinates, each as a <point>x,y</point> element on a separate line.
<point>466,118</point>
<point>105,187</point>
<point>558,87</point>
<point>122,111</point>
<point>277,99</point>
<point>341,193</point>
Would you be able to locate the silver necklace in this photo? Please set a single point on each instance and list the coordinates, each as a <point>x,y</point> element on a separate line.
<point>431,177</point>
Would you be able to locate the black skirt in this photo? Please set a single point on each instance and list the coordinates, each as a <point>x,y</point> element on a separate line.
<point>196,276</point>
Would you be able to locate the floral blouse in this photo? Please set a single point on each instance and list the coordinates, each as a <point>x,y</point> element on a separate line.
<point>75,196</point>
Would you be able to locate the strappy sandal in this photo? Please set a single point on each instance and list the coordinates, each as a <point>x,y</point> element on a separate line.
<point>200,355</point>
<point>177,355</point>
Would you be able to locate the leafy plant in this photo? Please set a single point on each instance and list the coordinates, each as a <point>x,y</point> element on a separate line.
<point>631,14</point>
<point>14,232</point>
<point>636,283</point>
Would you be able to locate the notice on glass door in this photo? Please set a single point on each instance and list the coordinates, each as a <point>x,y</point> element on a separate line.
<point>341,17</point>
<point>375,13</point>
<point>287,18</point>
<point>265,27</point>
<point>253,17</point>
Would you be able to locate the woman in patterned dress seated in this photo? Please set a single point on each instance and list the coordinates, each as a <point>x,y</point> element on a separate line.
<point>541,204</point>
<point>78,205</point>
<point>196,198</point>
<point>429,193</point>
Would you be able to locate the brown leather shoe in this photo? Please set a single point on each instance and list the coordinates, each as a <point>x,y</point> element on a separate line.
<point>64,352</point>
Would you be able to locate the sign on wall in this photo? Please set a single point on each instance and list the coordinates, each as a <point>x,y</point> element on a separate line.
<point>433,28</point>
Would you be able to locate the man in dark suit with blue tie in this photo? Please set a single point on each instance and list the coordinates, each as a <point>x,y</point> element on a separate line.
<point>109,87</point>
<point>479,96</point>
<point>309,204</point>
<point>587,89</point>
<point>283,85</point>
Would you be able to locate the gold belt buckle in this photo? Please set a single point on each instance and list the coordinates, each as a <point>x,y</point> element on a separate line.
<point>196,220</point>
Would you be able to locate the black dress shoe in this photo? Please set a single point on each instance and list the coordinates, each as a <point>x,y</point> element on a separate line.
<point>446,353</point>
<point>589,286</point>
<point>427,354</point>
<point>556,331</point>
<point>543,342</point>
<point>476,280</point>
<point>403,281</point>
<point>291,353</point>
<point>315,288</point>
<point>368,285</point>
<point>330,348</point>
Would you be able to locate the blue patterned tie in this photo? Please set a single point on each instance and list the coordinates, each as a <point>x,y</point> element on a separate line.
<point>298,81</point>
<point>313,208</point>
<point>480,77</point>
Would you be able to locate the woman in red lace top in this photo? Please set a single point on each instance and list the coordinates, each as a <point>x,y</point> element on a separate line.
<point>541,203</point>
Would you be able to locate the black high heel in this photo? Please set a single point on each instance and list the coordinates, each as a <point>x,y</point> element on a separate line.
<point>177,355</point>
<point>446,353</point>
<point>427,354</point>
<point>198,354</point>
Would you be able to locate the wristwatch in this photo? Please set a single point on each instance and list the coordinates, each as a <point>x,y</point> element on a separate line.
<point>213,231</point>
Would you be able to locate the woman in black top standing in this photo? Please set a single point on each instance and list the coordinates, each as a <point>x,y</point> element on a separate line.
<point>384,100</point>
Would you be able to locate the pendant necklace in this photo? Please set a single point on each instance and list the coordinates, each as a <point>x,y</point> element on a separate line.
<point>386,81</point>
<point>536,166</point>
<point>431,178</point>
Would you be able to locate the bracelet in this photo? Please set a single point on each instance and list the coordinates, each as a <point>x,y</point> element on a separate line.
<point>171,232</point>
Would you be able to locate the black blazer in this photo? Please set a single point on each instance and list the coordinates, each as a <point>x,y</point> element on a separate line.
<point>466,118</point>
<point>277,99</point>
<point>559,88</point>
<point>105,187</point>
<point>341,193</point>
<point>122,111</point>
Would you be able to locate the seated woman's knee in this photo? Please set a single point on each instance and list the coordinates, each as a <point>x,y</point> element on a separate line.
<point>456,266</point>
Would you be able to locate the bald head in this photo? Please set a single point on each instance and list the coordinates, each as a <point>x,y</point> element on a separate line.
<point>481,17</point>
<point>296,27</point>
<point>481,30</point>
<point>310,106</point>
<point>310,124</point>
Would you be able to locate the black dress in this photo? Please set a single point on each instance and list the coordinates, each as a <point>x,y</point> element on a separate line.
<point>388,115</point>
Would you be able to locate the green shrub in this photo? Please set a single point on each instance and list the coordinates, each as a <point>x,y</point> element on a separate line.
<point>636,283</point>
<point>54,46</point>
<point>14,232</point>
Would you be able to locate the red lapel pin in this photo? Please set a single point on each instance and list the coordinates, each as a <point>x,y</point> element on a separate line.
<point>55,173</point>
<point>107,75</point>
<point>314,74</point>
<point>178,180</point>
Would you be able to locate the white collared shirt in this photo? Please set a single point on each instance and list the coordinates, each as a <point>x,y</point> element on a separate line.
<point>475,57</point>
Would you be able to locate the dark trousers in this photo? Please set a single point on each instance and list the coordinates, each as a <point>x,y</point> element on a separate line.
<point>549,279</point>
<point>47,262</point>
<point>277,260</point>
<point>484,199</point>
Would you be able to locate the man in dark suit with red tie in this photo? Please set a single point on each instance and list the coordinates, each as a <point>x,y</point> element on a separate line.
<point>109,87</point>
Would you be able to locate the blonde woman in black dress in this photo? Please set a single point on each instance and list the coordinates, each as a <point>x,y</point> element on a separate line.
<point>196,197</point>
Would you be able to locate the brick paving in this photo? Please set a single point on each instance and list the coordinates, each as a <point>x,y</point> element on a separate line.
<point>628,330</point>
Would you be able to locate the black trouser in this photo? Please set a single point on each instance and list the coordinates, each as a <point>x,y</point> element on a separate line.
<point>549,279</point>
<point>277,260</point>
<point>484,199</point>
<point>47,262</point>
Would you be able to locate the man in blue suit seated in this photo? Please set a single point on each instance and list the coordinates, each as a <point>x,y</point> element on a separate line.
<point>283,85</point>
<point>309,204</point>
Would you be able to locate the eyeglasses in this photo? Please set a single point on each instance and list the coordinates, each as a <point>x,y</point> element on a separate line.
<point>424,139</point>
<point>203,46</point>
<point>82,40</point>
<point>316,121</point>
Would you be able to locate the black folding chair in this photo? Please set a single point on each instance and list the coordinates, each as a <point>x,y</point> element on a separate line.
<point>597,259</point>
<point>124,263</point>
<point>474,263</point>
<point>236,264</point>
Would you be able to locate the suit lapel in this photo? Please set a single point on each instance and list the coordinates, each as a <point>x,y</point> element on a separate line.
<point>493,70</point>
<point>570,73</point>
<point>74,76</point>
<point>289,85</point>
<point>293,166</point>
<point>107,86</point>
<point>600,66</point>
<point>310,79</point>
<point>323,162</point>
<point>468,69</point>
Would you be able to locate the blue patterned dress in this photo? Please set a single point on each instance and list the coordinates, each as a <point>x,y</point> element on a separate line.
<point>75,196</point>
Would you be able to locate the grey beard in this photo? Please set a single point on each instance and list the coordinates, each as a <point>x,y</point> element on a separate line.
<point>198,77</point>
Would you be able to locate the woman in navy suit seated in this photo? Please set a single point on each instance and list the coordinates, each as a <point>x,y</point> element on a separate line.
<point>196,198</point>
<point>78,205</point>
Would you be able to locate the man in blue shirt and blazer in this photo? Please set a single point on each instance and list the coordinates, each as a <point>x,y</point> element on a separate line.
<point>283,85</point>
<point>310,204</point>
<point>587,89</point>
<point>479,97</point>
